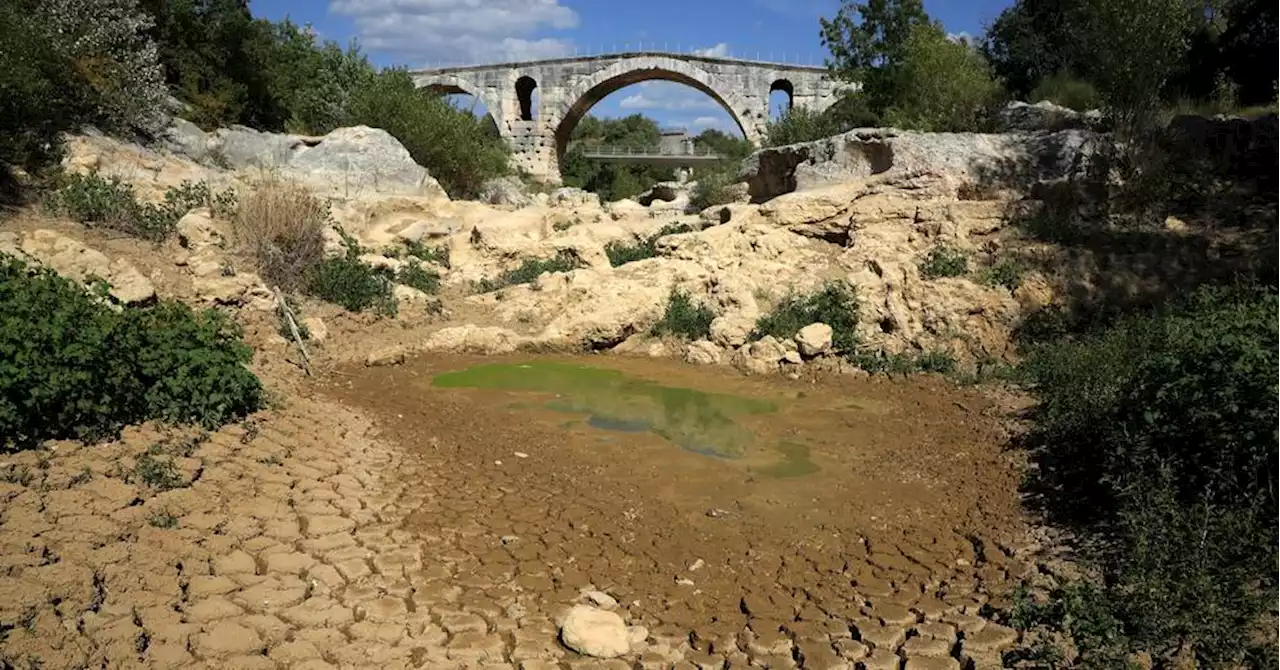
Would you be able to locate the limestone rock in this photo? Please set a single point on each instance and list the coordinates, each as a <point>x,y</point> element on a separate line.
<point>505,191</point>
<point>1019,116</point>
<point>198,231</point>
<point>702,352</point>
<point>732,330</point>
<point>814,339</point>
<point>1020,159</point>
<point>392,355</point>
<point>473,339</point>
<point>360,159</point>
<point>595,632</point>
<point>573,197</point>
<point>76,261</point>
<point>316,328</point>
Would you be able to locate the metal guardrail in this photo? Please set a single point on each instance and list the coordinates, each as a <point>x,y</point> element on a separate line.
<point>645,152</point>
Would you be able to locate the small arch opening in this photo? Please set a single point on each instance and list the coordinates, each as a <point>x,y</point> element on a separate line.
<point>781,97</point>
<point>525,93</point>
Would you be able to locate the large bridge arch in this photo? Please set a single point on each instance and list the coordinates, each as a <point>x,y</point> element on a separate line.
<point>452,84</point>
<point>584,94</point>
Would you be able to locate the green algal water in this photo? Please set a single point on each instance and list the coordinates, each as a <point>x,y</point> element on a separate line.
<point>705,423</point>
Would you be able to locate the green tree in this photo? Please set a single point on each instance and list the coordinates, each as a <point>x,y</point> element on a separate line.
<point>613,181</point>
<point>1138,45</point>
<point>867,40</point>
<point>1033,40</point>
<point>455,146</point>
<point>940,85</point>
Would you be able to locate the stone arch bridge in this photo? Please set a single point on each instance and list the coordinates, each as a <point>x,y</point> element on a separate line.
<point>538,127</point>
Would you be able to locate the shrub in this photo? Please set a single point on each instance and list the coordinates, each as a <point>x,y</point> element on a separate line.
<point>1068,91</point>
<point>282,226</point>
<point>835,304</point>
<point>799,124</point>
<point>71,367</point>
<point>346,281</point>
<point>621,253</point>
<point>1158,433</point>
<point>438,255</point>
<point>419,277</point>
<point>940,85</point>
<point>1006,272</point>
<point>684,318</point>
<point>714,187</point>
<point>455,146</point>
<point>530,270</point>
<point>112,203</point>
<point>944,261</point>
<point>940,362</point>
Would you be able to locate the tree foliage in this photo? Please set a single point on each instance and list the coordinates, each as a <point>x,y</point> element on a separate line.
<point>613,181</point>
<point>940,85</point>
<point>867,40</point>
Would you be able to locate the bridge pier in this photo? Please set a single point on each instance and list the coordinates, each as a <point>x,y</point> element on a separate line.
<point>537,104</point>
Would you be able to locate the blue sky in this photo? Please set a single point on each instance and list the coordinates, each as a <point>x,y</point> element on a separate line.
<point>422,33</point>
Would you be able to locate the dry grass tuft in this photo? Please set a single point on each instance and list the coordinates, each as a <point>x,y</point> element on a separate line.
<point>281,225</point>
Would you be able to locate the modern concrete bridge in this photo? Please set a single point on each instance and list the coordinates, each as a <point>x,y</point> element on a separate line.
<point>568,87</point>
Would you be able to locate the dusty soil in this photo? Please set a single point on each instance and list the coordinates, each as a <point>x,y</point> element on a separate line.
<point>370,520</point>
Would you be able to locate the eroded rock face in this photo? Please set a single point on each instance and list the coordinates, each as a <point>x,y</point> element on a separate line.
<point>595,632</point>
<point>75,260</point>
<point>974,160</point>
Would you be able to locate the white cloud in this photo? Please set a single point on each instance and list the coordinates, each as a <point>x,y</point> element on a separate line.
<point>460,31</point>
<point>665,95</point>
<point>704,122</point>
<point>961,36</point>
<point>720,50</point>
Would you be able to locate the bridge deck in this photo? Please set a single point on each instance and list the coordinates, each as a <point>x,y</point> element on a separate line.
<point>776,65</point>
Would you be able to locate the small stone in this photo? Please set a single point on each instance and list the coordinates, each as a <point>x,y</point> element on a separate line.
<point>602,600</point>
<point>595,632</point>
<point>792,357</point>
<point>814,339</point>
<point>385,356</point>
<point>316,329</point>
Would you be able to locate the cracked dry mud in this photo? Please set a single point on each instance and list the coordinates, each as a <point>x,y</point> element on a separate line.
<point>375,522</point>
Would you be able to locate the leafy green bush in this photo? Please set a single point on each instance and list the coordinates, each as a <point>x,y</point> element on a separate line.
<point>1063,89</point>
<point>438,255</point>
<point>940,85</point>
<point>620,253</point>
<point>348,282</point>
<point>1158,433</point>
<point>714,187</point>
<point>799,124</point>
<point>835,304</point>
<point>684,318</point>
<point>71,367</point>
<point>944,261</point>
<point>455,146</point>
<point>1006,272</point>
<point>940,362</point>
<point>112,203</point>
<point>530,270</point>
<point>418,277</point>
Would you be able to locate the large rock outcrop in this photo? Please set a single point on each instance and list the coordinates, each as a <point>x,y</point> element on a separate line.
<point>972,161</point>
<point>79,262</point>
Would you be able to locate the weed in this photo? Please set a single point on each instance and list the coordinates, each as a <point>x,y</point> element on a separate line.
<point>835,304</point>
<point>620,253</point>
<point>157,473</point>
<point>271,460</point>
<point>438,255</point>
<point>112,203</point>
<point>75,368</point>
<point>347,281</point>
<point>530,270</point>
<point>163,519</point>
<point>83,477</point>
<point>18,475</point>
<point>1006,272</point>
<point>418,277</point>
<point>282,226</point>
<point>944,261</point>
<point>684,318</point>
<point>939,362</point>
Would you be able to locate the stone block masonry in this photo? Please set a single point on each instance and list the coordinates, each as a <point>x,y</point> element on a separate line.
<point>537,104</point>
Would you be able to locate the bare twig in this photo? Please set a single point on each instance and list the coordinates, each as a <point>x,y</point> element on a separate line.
<point>287,313</point>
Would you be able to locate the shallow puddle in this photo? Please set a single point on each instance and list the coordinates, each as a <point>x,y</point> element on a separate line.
<point>697,421</point>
